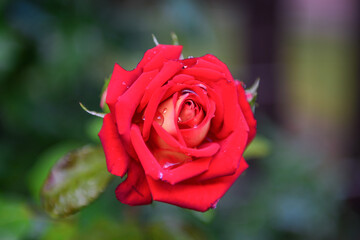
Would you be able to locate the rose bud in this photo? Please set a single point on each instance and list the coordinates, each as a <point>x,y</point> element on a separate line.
<point>176,128</point>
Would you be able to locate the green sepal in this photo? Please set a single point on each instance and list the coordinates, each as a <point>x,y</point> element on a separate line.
<point>102,115</point>
<point>251,94</point>
<point>75,181</point>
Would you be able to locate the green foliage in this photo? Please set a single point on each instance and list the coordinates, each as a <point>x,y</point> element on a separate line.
<point>15,219</point>
<point>75,181</point>
<point>259,148</point>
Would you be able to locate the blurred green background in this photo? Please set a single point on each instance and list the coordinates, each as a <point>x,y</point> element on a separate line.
<point>303,181</point>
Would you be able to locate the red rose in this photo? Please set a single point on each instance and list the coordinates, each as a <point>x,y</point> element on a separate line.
<point>177,128</point>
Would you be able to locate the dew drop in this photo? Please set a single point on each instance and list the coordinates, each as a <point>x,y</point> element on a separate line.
<point>185,67</point>
<point>169,165</point>
<point>164,111</point>
<point>179,119</point>
<point>161,175</point>
<point>143,118</point>
<point>159,118</point>
<point>123,83</point>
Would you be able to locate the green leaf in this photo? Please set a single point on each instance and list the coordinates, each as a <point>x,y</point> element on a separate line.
<point>75,181</point>
<point>42,166</point>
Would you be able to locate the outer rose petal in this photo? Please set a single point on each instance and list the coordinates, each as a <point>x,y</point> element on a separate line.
<point>117,159</point>
<point>198,196</point>
<point>246,109</point>
<point>120,80</point>
<point>226,161</point>
<point>155,58</point>
<point>134,190</point>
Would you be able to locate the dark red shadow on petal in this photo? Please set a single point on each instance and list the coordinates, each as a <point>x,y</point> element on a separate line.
<point>135,189</point>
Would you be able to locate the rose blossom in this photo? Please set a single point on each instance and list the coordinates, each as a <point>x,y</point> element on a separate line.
<point>177,128</point>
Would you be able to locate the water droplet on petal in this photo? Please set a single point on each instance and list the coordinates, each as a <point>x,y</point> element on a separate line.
<point>159,118</point>
<point>123,83</point>
<point>185,66</point>
<point>143,118</point>
<point>179,119</point>
<point>164,111</point>
<point>161,175</point>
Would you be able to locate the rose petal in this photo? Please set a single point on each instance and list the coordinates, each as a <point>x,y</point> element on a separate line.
<point>152,108</point>
<point>211,58</point>
<point>231,109</point>
<point>204,150</point>
<point>186,171</point>
<point>182,78</point>
<point>151,166</point>
<point>128,102</point>
<point>120,80</point>
<point>202,63</point>
<point>135,189</point>
<point>200,195</point>
<point>247,112</point>
<point>165,74</point>
<point>117,159</point>
<point>153,169</point>
<point>162,54</point>
<point>203,73</point>
<point>225,161</point>
<point>194,136</point>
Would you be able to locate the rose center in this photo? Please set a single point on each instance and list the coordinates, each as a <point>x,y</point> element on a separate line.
<point>188,111</point>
